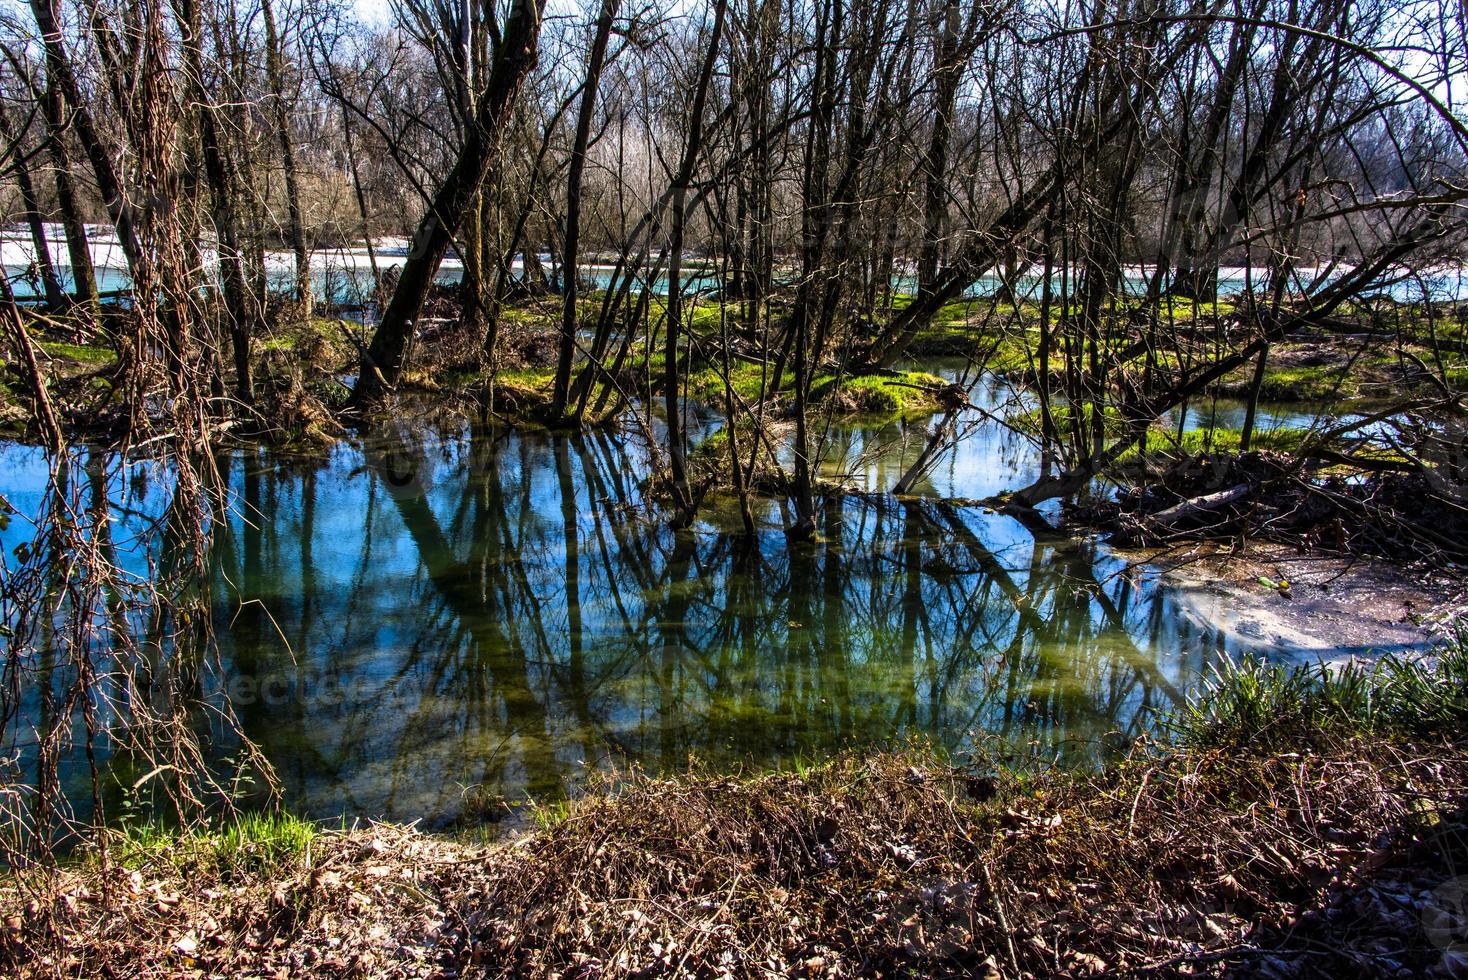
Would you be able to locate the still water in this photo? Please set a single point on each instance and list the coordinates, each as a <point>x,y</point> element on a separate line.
<point>430,624</point>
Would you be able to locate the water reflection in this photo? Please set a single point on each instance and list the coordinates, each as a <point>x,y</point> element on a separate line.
<point>985,458</point>
<point>423,625</point>
<point>517,612</point>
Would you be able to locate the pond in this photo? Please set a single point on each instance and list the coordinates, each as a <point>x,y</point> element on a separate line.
<point>429,625</point>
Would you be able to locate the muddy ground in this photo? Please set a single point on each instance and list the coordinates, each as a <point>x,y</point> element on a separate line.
<point>1289,606</point>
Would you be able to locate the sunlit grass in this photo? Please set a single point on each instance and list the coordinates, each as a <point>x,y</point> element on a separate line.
<point>1264,707</point>
<point>880,394</point>
<point>251,842</point>
<point>1197,442</point>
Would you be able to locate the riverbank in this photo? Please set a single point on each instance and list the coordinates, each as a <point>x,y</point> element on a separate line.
<point>1294,829</point>
<point>1298,607</point>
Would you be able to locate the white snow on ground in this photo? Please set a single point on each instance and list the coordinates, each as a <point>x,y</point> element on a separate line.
<point>346,268</point>
<point>17,249</point>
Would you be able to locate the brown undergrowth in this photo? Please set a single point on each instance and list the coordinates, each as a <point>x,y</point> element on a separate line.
<point>1405,517</point>
<point>1191,862</point>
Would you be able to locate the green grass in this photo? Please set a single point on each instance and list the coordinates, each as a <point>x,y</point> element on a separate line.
<point>1266,707</point>
<point>257,841</point>
<point>713,449</point>
<point>249,843</point>
<point>549,814</point>
<point>998,341</point>
<point>1162,439</point>
<point>1198,442</point>
<point>1294,384</point>
<point>331,333</point>
<point>876,394</point>
<point>747,380</point>
<point>530,378</point>
<point>699,317</point>
<point>1032,420</point>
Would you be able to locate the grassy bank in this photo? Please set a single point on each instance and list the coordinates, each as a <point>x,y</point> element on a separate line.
<point>302,367</point>
<point>1303,823</point>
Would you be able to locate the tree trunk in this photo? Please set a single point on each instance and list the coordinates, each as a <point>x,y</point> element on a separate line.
<point>60,75</point>
<point>471,248</point>
<point>682,496</point>
<point>935,164</point>
<point>1251,410</point>
<point>815,224</point>
<point>570,321</point>
<point>275,69</point>
<point>84,291</point>
<point>50,284</point>
<point>382,362</point>
<point>238,309</point>
<point>361,199</point>
<point>78,248</point>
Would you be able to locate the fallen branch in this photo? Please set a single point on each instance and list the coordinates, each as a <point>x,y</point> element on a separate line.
<point>1205,504</point>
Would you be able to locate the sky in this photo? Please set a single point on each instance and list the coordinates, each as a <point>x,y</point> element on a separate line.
<point>372,11</point>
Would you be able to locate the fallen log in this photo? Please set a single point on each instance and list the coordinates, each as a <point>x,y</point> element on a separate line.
<point>1207,503</point>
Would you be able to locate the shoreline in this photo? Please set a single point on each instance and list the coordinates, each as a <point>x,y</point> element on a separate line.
<point>1185,862</point>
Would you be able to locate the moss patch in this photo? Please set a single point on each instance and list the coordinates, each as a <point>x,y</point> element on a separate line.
<point>895,393</point>
<point>707,384</point>
<point>523,394</point>
<point>80,353</point>
<point>1293,384</point>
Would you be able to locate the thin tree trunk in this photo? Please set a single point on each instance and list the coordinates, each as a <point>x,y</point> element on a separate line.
<point>471,244</point>
<point>682,496</point>
<point>815,224</point>
<point>471,289</point>
<point>83,274</point>
<point>361,199</point>
<point>935,164</point>
<point>237,306</point>
<point>1251,410</point>
<point>50,284</point>
<point>570,321</point>
<point>59,74</point>
<point>275,69</point>
<point>84,290</point>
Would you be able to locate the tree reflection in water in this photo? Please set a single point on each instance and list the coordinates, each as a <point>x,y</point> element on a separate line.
<point>426,625</point>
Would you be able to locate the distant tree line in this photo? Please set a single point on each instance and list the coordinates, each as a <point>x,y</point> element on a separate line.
<point>841,169</point>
